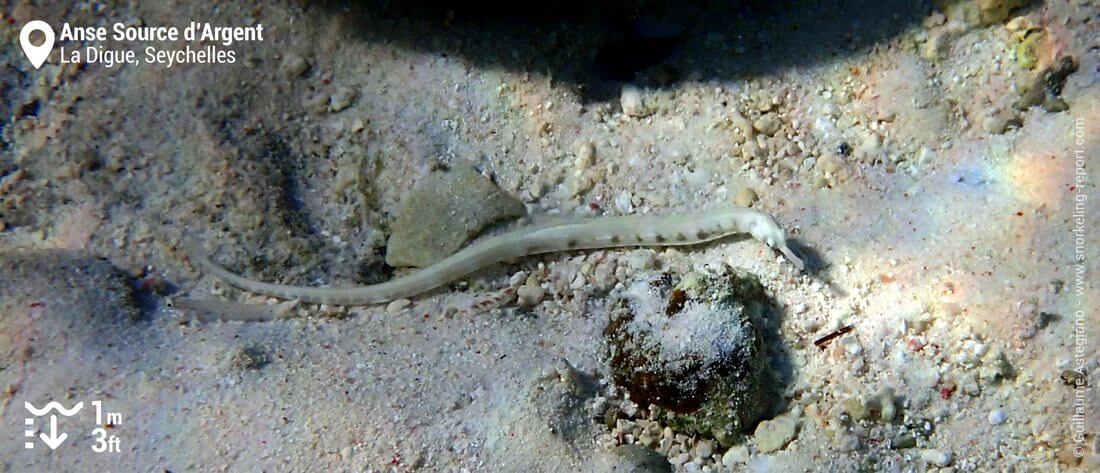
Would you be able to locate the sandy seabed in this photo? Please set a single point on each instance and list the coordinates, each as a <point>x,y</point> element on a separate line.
<point>934,162</point>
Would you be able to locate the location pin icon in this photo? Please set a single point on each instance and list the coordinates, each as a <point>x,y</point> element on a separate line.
<point>37,54</point>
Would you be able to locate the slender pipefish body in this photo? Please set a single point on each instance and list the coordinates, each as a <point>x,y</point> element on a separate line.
<point>602,232</point>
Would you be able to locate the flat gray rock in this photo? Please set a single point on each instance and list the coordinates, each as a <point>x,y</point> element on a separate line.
<point>443,212</point>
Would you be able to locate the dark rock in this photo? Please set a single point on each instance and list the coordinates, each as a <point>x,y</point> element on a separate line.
<point>703,364</point>
<point>1045,87</point>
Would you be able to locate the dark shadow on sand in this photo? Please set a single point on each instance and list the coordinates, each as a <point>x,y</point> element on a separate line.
<point>596,46</point>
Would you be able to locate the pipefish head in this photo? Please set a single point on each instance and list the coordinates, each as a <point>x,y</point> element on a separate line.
<point>764,228</point>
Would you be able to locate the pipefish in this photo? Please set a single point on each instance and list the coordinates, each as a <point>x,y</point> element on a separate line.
<point>584,234</point>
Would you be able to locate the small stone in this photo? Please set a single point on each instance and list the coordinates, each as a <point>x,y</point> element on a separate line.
<point>831,165</point>
<point>857,409</point>
<point>1027,52</point>
<point>741,126</point>
<point>903,442</point>
<point>773,435</point>
<point>634,459</point>
<point>997,417</point>
<point>998,121</point>
<point>870,148</point>
<point>1055,105</point>
<point>936,457</point>
<point>847,442</point>
<point>880,407</point>
<point>996,367</point>
<point>342,99</point>
<point>844,149</point>
<point>293,66</point>
<point>540,189</point>
<point>887,405</point>
<point>641,260</point>
<point>1074,378</point>
<point>768,124</point>
<point>996,11</point>
<point>936,46</point>
<point>704,449</point>
<point>735,455</point>
<point>582,184</point>
<point>611,417</point>
<point>395,307</point>
<point>624,202</point>
<point>517,279</point>
<point>1044,87</point>
<point>633,103</point>
<point>629,408</point>
<point>657,200</point>
<point>664,447</point>
<point>586,155</point>
<point>745,197</point>
<point>250,358</point>
<point>763,104</point>
<point>530,295</point>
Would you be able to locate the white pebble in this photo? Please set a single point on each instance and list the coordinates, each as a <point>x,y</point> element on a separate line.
<point>293,65</point>
<point>624,204</point>
<point>343,98</point>
<point>578,282</point>
<point>980,349</point>
<point>772,435</point>
<point>997,417</point>
<point>642,259</point>
<point>397,306</point>
<point>632,102</point>
<point>735,455</point>
<point>529,295</point>
<point>704,449</point>
<point>629,408</point>
<point>586,155</point>
<point>936,457</point>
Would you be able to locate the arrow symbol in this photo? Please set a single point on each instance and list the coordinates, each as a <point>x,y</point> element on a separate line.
<point>53,440</point>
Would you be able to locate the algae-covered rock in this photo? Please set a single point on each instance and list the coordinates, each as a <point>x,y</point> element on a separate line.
<point>691,348</point>
<point>1044,87</point>
<point>996,11</point>
<point>1027,51</point>
<point>980,12</point>
<point>445,210</point>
